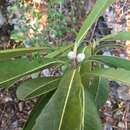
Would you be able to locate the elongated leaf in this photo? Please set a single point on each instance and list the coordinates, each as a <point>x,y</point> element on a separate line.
<point>99,89</point>
<point>113,74</point>
<point>63,112</point>
<point>14,69</point>
<point>118,36</point>
<point>93,86</point>
<point>10,53</point>
<point>97,11</point>
<point>36,87</point>
<point>86,66</point>
<point>92,120</point>
<point>102,93</point>
<point>59,51</point>
<point>36,111</point>
<point>90,83</point>
<point>108,46</point>
<point>112,61</point>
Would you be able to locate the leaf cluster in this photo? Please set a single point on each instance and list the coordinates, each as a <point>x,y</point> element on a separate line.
<point>69,101</point>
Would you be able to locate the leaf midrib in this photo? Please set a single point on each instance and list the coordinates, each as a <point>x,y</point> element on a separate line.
<point>41,86</point>
<point>66,99</point>
<point>78,41</point>
<point>29,72</point>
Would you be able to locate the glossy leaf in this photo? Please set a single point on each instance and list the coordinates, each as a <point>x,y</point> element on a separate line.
<point>102,93</point>
<point>89,82</point>
<point>97,11</point>
<point>86,66</point>
<point>59,51</point>
<point>93,86</point>
<point>36,111</point>
<point>10,53</point>
<point>92,120</point>
<point>112,61</point>
<point>112,74</point>
<point>118,36</point>
<point>14,69</point>
<point>108,46</point>
<point>63,112</point>
<point>36,87</point>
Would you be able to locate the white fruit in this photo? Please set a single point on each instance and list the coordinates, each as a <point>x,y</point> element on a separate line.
<point>80,57</point>
<point>71,55</point>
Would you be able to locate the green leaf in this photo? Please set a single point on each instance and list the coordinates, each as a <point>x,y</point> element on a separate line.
<point>36,111</point>
<point>63,112</point>
<point>93,86</point>
<point>90,83</point>
<point>14,69</point>
<point>113,74</point>
<point>36,87</point>
<point>97,11</point>
<point>59,51</point>
<point>112,61</point>
<point>86,66</point>
<point>10,53</point>
<point>102,93</point>
<point>92,120</point>
<point>108,46</point>
<point>118,36</point>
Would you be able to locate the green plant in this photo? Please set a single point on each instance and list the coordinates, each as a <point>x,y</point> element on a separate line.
<point>70,101</point>
<point>26,20</point>
<point>28,28</point>
<point>58,23</point>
